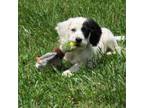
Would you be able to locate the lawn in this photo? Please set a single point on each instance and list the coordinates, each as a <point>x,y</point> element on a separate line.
<point>102,87</point>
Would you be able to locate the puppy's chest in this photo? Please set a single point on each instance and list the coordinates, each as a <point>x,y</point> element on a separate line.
<point>78,56</point>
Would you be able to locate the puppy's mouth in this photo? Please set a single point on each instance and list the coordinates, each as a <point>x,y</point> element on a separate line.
<point>78,44</point>
<point>70,46</point>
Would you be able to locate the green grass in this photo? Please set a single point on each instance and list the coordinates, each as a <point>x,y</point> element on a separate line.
<point>102,87</point>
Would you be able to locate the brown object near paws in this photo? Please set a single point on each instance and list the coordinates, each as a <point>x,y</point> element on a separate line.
<point>59,52</point>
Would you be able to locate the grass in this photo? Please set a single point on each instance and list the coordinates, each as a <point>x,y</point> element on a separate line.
<point>102,87</point>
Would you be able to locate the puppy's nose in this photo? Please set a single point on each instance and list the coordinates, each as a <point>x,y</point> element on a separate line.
<point>78,40</point>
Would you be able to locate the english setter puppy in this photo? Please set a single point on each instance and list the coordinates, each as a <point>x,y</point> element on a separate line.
<point>92,40</point>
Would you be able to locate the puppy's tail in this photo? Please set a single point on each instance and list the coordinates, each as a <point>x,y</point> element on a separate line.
<point>120,38</point>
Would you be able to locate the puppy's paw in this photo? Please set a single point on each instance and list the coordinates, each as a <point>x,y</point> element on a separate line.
<point>67,73</point>
<point>37,65</point>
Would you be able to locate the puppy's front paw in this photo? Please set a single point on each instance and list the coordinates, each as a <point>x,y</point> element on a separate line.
<point>67,73</point>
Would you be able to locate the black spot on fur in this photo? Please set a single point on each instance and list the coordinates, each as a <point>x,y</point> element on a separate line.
<point>92,29</point>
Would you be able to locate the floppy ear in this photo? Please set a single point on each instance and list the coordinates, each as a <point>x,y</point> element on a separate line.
<point>62,28</point>
<point>92,31</point>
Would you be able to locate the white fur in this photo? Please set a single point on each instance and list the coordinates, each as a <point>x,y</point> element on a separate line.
<point>82,54</point>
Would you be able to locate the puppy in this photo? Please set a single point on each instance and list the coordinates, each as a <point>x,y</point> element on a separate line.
<point>93,41</point>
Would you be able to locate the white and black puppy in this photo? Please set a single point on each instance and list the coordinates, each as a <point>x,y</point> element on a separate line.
<point>91,37</point>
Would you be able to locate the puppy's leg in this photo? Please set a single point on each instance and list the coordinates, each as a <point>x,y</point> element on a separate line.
<point>69,72</point>
<point>113,46</point>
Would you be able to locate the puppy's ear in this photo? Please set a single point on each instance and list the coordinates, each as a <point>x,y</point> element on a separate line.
<point>92,31</point>
<point>62,28</point>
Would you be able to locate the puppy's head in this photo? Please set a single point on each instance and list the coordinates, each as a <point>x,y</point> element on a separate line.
<point>80,30</point>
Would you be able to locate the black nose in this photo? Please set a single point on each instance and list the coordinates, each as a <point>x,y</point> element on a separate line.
<point>78,40</point>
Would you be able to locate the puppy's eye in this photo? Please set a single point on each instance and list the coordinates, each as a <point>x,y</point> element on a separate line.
<point>73,30</point>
